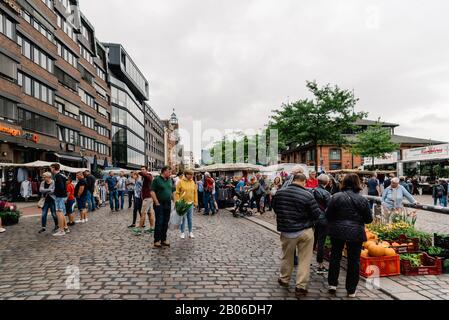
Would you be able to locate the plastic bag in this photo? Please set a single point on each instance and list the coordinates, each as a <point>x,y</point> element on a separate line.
<point>175,219</point>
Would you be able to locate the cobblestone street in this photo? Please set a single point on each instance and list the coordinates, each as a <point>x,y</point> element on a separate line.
<point>229,259</point>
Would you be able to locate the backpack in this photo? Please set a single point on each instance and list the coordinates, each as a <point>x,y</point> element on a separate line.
<point>440,191</point>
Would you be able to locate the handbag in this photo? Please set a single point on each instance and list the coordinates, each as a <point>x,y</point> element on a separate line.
<point>41,203</point>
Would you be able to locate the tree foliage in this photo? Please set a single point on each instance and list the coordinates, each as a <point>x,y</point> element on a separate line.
<point>375,142</point>
<point>318,121</point>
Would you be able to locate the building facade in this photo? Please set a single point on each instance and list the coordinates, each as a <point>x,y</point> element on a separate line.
<point>333,157</point>
<point>154,140</point>
<point>189,160</point>
<point>129,91</point>
<point>54,94</point>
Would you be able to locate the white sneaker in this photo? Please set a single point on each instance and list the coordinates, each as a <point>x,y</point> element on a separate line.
<point>86,220</point>
<point>67,230</point>
<point>191,236</point>
<point>83,221</point>
<point>2,230</point>
<point>183,235</point>
<point>352,295</point>
<point>59,233</point>
<point>79,221</point>
<point>332,289</point>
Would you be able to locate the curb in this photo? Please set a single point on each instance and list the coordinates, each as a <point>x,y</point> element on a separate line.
<point>400,290</point>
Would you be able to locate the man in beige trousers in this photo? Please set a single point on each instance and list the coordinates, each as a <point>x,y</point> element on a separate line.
<point>296,213</point>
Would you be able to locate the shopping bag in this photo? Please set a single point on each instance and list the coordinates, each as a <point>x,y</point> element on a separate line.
<point>41,203</point>
<point>175,219</point>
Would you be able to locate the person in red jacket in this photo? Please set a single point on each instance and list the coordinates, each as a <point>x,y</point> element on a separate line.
<point>312,182</point>
<point>70,201</point>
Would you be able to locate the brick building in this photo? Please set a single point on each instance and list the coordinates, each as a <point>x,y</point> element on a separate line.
<point>54,94</point>
<point>332,157</point>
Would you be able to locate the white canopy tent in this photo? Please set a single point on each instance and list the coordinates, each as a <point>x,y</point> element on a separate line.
<point>41,164</point>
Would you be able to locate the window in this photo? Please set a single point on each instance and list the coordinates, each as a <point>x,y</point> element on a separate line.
<point>103,131</point>
<point>8,110</point>
<point>100,73</point>
<point>87,121</point>
<point>101,92</point>
<point>67,55</point>
<point>37,25</point>
<point>34,122</point>
<point>86,55</point>
<point>68,136</point>
<point>48,3</point>
<point>36,89</point>
<point>66,108</point>
<point>102,149</point>
<point>134,141</point>
<point>134,73</point>
<point>87,143</point>
<point>86,98</point>
<point>335,154</point>
<point>7,27</point>
<point>102,111</point>
<point>66,80</point>
<point>8,67</point>
<point>85,75</point>
<point>66,27</point>
<point>35,54</point>
<point>135,157</point>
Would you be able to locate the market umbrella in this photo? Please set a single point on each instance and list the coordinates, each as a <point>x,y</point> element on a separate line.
<point>95,164</point>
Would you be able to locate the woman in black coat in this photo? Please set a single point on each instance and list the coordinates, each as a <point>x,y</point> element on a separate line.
<point>347,214</point>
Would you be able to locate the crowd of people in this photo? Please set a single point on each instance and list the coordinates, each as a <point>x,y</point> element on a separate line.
<point>309,210</point>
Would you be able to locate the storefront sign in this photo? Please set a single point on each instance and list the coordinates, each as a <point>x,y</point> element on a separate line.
<point>427,153</point>
<point>10,131</point>
<point>13,5</point>
<point>31,137</point>
<point>389,158</point>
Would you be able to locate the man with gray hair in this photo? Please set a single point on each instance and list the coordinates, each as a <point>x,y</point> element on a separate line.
<point>296,170</point>
<point>393,196</point>
<point>296,212</point>
<point>322,197</point>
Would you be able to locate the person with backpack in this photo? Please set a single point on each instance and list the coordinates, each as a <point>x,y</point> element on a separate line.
<point>322,197</point>
<point>209,198</point>
<point>439,194</point>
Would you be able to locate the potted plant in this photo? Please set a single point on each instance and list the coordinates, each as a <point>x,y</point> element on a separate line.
<point>9,213</point>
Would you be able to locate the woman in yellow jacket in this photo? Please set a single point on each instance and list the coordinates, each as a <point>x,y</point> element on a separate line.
<point>186,189</point>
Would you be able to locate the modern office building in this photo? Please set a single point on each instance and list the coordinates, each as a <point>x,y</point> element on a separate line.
<point>54,94</point>
<point>154,139</point>
<point>189,160</point>
<point>129,91</point>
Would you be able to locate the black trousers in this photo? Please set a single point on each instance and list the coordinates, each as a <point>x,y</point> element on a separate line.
<point>320,240</point>
<point>257,198</point>
<point>353,269</point>
<point>201,200</point>
<point>162,213</point>
<point>137,208</point>
<point>130,199</point>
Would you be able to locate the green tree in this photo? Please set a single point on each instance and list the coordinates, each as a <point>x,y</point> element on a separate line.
<point>319,121</point>
<point>375,142</point>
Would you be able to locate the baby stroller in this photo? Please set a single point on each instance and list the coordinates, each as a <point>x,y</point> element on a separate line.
<point>242,204</point>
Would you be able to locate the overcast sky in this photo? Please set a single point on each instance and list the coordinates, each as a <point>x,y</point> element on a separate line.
<point>229,63</point>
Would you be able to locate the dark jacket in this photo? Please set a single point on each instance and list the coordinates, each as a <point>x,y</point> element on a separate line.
<point>91,180</point>
<point>347,214</point>
<point>295,208</point>
<point>323,198</point>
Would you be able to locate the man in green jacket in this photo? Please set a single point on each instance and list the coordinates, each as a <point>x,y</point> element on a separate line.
<point>162,194</point>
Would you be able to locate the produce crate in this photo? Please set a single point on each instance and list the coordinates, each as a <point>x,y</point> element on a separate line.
<point>388,266</point>
<point>431,266</point>
<point>442,242</point>
<point>406,248</point>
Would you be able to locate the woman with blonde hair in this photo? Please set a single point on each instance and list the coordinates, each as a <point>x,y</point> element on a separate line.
<point>186,190</point>
<point>47,189</point>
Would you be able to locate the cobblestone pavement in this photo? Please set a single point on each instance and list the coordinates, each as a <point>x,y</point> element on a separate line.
<point>229,259</point>
<point>417,287</point>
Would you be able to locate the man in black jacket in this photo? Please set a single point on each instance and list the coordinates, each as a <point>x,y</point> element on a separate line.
<point>90,180</point>
<point>296,213</point>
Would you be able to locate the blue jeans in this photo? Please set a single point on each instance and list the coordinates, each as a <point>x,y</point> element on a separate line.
<point>91,201</point>
<point>52,208</point>
<point>209,203</point>
<point>121,196</point>
<point>443,201</point>
<point>188,217</point>
<point>113,198</point>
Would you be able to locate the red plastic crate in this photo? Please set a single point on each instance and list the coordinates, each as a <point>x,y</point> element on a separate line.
<point>431,266</point>
<point>388,266</point>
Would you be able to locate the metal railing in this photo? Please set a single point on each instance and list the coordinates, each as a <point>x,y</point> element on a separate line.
<point>426,207</point>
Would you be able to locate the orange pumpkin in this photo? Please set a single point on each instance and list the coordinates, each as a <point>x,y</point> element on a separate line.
<point>376,251</point>
<point>390,252</point>
<point>395,244</point>
<point>369,243</point>
<point>385,244</point>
